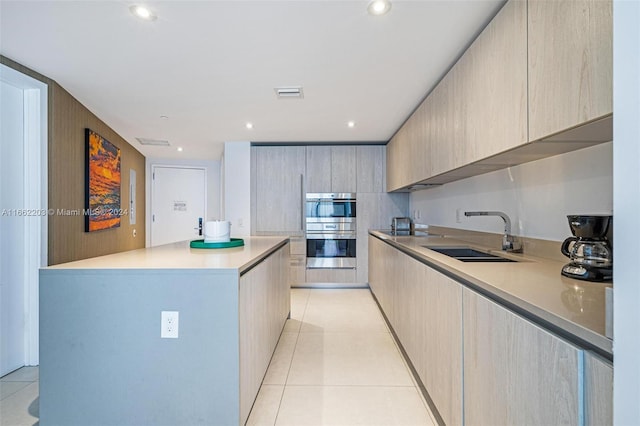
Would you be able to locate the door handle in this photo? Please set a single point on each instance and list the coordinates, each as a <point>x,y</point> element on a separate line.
<point>303,203</point>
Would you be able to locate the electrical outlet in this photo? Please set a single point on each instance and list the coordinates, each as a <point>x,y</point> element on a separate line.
<point>169,322</point>
<point>458,215</point>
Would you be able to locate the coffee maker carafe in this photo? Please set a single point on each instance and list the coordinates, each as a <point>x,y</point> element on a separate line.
<point>589,250</point>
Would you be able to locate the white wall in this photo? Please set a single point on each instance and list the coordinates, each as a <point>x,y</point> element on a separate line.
<point>626,257</point>
<point>237,187</point>
<point>213,186</point>
<point>537,196</point>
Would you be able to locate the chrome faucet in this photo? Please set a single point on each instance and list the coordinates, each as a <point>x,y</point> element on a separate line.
<point>509,242</point>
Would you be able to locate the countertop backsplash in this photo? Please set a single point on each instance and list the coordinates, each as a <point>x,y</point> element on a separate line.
<point>537,196</point>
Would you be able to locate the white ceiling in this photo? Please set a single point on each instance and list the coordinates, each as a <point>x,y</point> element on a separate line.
<point>211,66</point>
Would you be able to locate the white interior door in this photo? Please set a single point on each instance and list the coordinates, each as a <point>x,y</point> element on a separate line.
<point>23,214</point>
<point>178,203</point>
<point>12,245</point>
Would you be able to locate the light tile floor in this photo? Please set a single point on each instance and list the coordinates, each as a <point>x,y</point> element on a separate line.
<point>19,398</point>
<point>336,364</point>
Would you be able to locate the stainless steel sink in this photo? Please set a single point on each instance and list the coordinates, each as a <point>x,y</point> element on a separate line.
<point>468,254</point>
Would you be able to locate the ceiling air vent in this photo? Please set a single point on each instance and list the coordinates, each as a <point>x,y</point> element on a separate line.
<point>152,142</point>
<point>293,92</point>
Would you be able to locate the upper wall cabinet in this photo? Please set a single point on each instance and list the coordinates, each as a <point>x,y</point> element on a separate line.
<point>484,97</point>
<point>570,64</point>
<point>318,177</point>
<point>477,110</point>
<point>331,168</point>
<point>539,70</point>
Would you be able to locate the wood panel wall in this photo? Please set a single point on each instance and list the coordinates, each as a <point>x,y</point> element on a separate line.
<point>68,118</point>
<point>67,239</point>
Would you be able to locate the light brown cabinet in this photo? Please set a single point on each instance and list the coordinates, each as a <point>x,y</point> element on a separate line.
<point>409,151</point>
<point>278,189</point>
<point>298,262</point>
<point>263,307</point>
<point>343,168</point>
<point>375,211</point>
<point>281,175</point>
<point>428,316</point>
<point>370,168</point>
<point>598,390</point>
<point>480,362</point>
<point>331,276</point>
<point>318,173</point>
<point>385,270</point>
<point>424,308</point>
<point>490,89</point>
<point>537,69</point>
<point>331,168</point>
<point>570,64</point>
<point>477,110</point>
<point>514,371</point>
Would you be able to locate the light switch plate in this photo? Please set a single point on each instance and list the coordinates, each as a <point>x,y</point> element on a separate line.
<point>169,323</point>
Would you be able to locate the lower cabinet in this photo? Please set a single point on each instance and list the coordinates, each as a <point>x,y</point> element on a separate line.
<point>331,276</point>
<point>424,308</point>
<point>264,304</point>
<point>598,390</point>
<point>298,262</point>
<point>515,372</point>
<point>428,314</point>
<point>481,363</point>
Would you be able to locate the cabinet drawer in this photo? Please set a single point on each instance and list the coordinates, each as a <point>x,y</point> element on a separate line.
<point>331,275</point>
<point>298,246</point>
<point>297,268</point>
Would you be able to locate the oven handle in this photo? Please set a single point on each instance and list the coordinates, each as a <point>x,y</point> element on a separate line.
<point>331,236</point>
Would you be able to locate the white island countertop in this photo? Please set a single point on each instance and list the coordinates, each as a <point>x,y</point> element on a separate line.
<point>181,256</point>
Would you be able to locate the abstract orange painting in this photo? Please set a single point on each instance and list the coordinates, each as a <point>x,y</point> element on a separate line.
<point>102,205</point>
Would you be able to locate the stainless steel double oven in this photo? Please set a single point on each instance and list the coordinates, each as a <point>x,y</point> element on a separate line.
<point>331,230</point>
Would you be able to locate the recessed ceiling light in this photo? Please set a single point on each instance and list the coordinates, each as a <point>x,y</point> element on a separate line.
<point>351,124</point>
<point>379,7</point>
<point>179,149</point>
<point>142,12</point>
<point>164,117</point>
<point>249,125</point>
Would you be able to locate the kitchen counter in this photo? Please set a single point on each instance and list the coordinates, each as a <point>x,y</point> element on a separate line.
<point>531,286</point>
<point>180,256</point>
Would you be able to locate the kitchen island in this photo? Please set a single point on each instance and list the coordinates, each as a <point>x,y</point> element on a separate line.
<point>103,361</point>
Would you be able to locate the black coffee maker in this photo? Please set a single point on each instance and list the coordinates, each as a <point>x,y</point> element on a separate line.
<point>589,249</point>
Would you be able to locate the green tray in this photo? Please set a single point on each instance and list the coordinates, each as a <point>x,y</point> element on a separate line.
<point>235,242</point>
